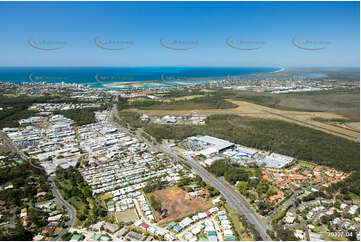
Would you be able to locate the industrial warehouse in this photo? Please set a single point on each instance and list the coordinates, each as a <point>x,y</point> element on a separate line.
<point>205,145</point>
<point>214,149</point>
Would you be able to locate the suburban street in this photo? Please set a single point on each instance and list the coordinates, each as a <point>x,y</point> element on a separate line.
<point>56,194</point>
<point>12,218</point>
<point>289,202</point>
<point>230,194</point>
<point>68,207</point>
<point>216,225</point>
<point>301,225</point>
<point>146,220</point>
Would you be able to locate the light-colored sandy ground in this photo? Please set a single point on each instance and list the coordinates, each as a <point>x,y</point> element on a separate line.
<point>178,149</point>
<point>258,111</point>
<point>354,125</point>
<point>187,97</point>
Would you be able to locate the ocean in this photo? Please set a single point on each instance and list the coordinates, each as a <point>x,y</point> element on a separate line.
<point>126,77</point>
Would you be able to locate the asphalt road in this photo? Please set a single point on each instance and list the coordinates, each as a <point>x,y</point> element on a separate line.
<point>56,194</point>
<point>303,225</point>
<point>230,194</point>
<point>290,201</point>
<point>11,219</point>
<point>68,207</point>
<point>12,146</point>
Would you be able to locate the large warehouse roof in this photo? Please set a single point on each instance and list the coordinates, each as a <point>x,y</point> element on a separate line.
<point>276,160</point>
<point>215,143</point>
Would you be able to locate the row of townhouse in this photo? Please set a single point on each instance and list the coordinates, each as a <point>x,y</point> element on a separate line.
<point>131,183</point>
<point>178,227</point>
<point>50,107</point>
<point>226,226</point>
<point>144,206</point>
<point>154,230</point>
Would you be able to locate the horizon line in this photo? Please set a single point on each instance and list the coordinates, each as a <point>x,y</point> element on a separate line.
<point>187,66</point>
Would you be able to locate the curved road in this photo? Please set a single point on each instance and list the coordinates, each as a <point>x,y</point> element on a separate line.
<point>56,194</point>
<point>68,207</point>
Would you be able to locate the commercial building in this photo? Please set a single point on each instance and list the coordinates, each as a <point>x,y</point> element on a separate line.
<point>207,145</point>
<point>275,161</point>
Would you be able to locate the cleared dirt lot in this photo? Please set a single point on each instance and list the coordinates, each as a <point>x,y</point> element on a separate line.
<point>258,111</point>
<point>187,97</point>
<point>178,204</point>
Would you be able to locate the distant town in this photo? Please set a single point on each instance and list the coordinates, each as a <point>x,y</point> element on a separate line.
<point>91,172</point>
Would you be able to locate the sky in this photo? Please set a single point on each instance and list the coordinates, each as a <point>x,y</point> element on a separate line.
<point>324,34</point>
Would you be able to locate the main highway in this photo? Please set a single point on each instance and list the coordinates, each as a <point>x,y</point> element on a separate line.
<point>229,193</point>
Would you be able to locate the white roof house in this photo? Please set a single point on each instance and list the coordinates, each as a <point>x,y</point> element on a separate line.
<point>185,222</point>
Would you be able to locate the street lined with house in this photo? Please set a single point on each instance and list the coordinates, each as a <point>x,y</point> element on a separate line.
<point>133,187</point>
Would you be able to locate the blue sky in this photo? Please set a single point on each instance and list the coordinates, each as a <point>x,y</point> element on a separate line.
<point>208,24</point>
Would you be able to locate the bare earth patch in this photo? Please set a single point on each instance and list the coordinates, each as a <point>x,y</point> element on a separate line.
<point>187,97</point>
<point>258,111</point>
<point>178,204</point>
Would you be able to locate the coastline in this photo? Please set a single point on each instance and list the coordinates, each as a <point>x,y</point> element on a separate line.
<point>282,69</point>
<point>160,83</point>
<point>122,78</point>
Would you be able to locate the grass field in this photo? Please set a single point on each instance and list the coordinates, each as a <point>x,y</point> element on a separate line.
<point>307,164</point>
<point>342,123</point>
<point>127,215</point>
<point>184,106</point>
<point>248,109</point>
<point>180,102</point>
<point>353,125</point>
<point>137,99</point>
<point>105,196</point>
<point>240,229</point>
<point>305,108</point>
<point>77,204</point>
<point>327,236</point>
<point>187,97</point>
<point>339,101</point>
